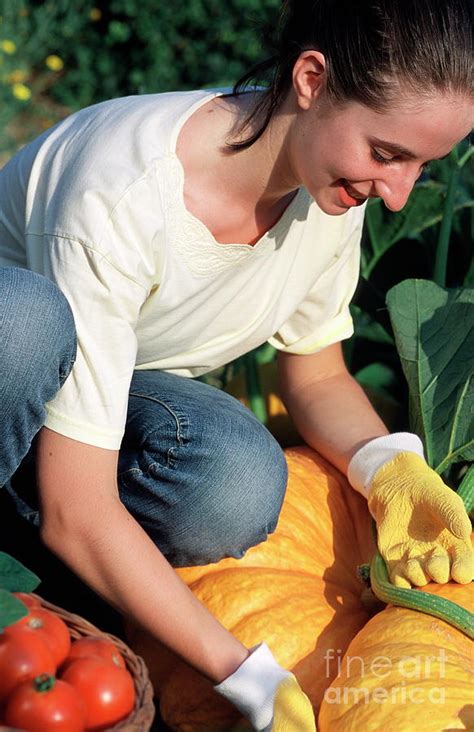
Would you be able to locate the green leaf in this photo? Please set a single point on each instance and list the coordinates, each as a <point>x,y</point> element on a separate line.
<point>254,387</point>
<point>376,375</point>
<point>367,328</point>
<point>16,577</point>
<point>265,354</point>
<point>434,333</point>
<point>466,489</point>
<point>11,609</point>
<point>423,209</point>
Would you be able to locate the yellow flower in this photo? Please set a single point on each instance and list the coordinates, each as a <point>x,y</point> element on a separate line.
<point>54,63</point>
<point>95,14</point>
<point>8,46</point>
<point>21,92</point>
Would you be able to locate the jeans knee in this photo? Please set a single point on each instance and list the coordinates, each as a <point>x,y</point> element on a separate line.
<point>198,471</point>
<point>36,324</point>
<point>239,505</point>
<point>256,492</point>
<point>37,350</point>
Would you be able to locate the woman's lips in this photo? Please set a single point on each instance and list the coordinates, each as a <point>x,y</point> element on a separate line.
<point>348,196</point>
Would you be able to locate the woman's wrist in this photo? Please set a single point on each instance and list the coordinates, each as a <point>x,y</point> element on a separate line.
<point>252,687</point>
<point>375,453</point>
<point>232,662</point>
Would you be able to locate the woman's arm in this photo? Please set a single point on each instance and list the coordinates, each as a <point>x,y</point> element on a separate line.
<point>329,408</point>
<point>84,522</point>
<point>335,417</point>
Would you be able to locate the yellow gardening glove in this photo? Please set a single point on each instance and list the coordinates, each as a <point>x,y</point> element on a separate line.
<point>422,526</point>
<point>292,710</point>
<point>268,695</point>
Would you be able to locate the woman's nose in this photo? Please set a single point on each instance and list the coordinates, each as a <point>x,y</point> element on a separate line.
<point>395,188</point>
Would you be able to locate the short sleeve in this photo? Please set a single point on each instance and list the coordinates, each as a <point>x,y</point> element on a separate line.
<point>323,317</point>
<point>91,406</point>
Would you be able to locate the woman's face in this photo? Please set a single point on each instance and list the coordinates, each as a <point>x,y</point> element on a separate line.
<point>344,154</point>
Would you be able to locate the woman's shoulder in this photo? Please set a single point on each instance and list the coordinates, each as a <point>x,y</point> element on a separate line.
<point>101,154</point>
<point>140,126</point>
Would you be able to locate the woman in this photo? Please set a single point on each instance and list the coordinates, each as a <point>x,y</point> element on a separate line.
<point>184,230</point>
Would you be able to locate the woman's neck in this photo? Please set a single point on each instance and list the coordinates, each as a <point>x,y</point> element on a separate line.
<point>239,195</point>
<point>262,171</point>
<point>258,175</point>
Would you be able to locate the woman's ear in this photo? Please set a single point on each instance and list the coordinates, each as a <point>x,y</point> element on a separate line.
<point>309,77</point>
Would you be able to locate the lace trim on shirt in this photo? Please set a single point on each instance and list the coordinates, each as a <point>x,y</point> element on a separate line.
<point>193,241</point>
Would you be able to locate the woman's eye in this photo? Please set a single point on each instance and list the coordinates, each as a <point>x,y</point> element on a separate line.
<point>380,158</point>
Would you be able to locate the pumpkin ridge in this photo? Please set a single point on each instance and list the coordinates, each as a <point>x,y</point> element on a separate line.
<point>256,568</point>
<point>397,643</point>
<point>279,603</point>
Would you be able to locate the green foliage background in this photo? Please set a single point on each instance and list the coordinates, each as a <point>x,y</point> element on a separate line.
<point>147,46</point>
<point>121,47</point>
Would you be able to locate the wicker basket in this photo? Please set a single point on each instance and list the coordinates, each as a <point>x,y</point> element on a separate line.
<point>141,719</point>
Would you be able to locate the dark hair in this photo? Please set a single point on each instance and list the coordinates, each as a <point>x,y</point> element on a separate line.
<point>369,47</point>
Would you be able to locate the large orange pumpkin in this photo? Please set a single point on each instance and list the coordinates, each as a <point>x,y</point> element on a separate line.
<point>299,591</point>
<point>405,671</point>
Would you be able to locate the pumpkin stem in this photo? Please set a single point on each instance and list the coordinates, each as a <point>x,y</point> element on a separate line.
<point>363,574</point>
<point>424,602</point>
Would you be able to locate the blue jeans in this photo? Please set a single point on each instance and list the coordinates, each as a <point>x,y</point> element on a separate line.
<point>196,469</point>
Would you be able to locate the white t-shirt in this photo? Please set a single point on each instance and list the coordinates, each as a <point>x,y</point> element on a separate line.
<point>96,205</point>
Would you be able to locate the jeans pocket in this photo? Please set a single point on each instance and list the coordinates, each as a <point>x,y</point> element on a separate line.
<point>155,433</point>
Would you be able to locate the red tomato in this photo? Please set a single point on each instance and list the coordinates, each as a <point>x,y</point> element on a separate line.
<point>107,690</point>
<point>45,703</point>
<point>51,629</point>
<point>27,599</point>
<point>23,655</point>
<point>96,647</point>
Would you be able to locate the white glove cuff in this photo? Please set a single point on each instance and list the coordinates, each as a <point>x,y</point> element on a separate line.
<point>252,687</point>
<point>369,458</point>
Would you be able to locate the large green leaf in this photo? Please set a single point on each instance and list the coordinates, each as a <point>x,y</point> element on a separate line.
<point>15,577</point>
<point>434,333</point>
